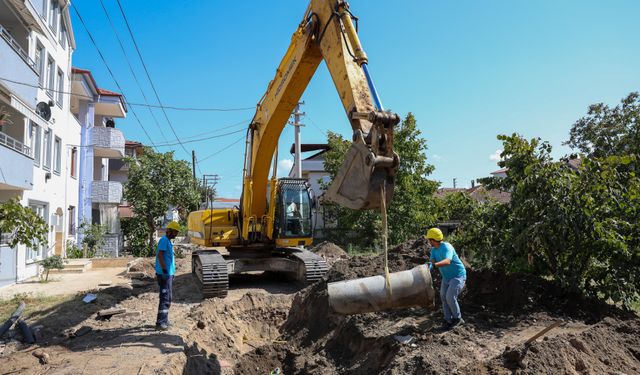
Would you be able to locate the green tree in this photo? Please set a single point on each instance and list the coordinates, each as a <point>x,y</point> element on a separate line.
<point>21,225</point>
<point>52,262</point>
<point>157,181</point>
<point>608,131</point>
<point>412,207</point>
<point>577,226</point>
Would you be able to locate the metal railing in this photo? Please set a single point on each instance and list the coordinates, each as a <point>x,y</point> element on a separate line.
<point>6,35</point>
<point>15,145</point>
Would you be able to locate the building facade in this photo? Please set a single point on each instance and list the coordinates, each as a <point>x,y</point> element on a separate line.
<point>102,145</point>
<point>39,139</point>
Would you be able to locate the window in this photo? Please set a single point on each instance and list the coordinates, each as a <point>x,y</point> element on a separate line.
<point>53,15</point>
<point>57,155</point>
<point>72,221</point>
<point>74,157</point>
<point>39,59</point>
<point>35,253</point>
<point>36,140</point>
<point>51,68</point>
<point>63,34</point>
<point>60,96</point>
<point>46,162</point>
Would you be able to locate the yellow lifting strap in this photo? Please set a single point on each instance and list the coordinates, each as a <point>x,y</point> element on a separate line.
<point>385,236</point>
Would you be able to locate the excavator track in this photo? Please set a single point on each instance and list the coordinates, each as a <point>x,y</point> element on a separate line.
<point>315,267</point>
<point>211,274</point>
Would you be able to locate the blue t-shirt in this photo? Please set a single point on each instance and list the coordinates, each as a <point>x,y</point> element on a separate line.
<point>453,270</point>
<point>165,250</point>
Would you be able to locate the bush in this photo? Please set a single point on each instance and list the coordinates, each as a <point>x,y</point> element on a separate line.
<point>73,251</point>
<point>93,237</point>
<point>136,234</point>
<point>52,262</point>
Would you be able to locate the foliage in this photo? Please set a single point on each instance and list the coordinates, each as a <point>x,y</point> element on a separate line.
<point>136,234</point>
<point>93,237</point>
<point>609,131</point>
<point>73,251</point>
<point>157,181</point>
<point>22,225</point>
<point>52,262</point>
<point>578,226</point>
<point>412,207</point>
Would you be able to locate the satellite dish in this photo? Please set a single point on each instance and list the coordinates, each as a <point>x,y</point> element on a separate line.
<point>43,110</point>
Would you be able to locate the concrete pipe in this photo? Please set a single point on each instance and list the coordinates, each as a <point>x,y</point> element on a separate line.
<point>409,288</point>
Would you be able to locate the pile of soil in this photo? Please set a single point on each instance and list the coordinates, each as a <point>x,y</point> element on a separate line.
<point>329,250</point>
<point>501,313</point>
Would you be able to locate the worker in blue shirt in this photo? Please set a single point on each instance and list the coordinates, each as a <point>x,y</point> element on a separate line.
<point>444,258</point>
<point>165,271</point>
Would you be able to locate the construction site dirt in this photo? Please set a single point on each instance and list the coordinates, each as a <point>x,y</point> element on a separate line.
<point>267,323</point>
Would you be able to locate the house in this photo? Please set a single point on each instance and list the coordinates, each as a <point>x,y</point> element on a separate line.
<point>102,144</point>
<point>313,171</point>
<point>39,145</point>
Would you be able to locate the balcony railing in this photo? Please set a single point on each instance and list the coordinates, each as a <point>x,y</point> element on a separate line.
<point>15,145</point>
<point>18,48</point>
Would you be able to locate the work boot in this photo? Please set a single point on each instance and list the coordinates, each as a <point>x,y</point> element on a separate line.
<point>456,322</point>
<point>446,325</point>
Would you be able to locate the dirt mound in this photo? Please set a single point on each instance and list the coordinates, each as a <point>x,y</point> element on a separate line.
<point>230,330</point>
<point>501,312</point>
<point>143,268</point>
<point>329,250</point>
<point>609,347</point>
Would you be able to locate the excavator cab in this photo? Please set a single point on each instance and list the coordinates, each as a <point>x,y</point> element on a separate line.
<point>293,217</point>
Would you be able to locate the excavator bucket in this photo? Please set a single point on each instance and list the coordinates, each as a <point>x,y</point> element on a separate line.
<point>358,183</point>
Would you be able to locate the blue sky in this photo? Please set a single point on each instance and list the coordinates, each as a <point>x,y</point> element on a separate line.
<point>468,70</point>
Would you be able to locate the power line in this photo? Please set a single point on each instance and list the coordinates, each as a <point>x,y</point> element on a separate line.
<point>222,149</point>
<point>194,109</point>
<point>109,69</point>
<point>201,139</point>
<point>149,77</point>
<point>135,77</point>
<point>197,109</point>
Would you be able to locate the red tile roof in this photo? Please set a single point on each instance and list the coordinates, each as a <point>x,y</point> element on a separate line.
<point>107,92</point>
<point>227,200</point>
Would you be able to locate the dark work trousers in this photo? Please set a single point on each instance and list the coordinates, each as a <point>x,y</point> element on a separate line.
<point>165,284</point>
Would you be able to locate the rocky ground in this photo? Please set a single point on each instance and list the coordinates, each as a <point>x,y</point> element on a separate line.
<point>266,322</point>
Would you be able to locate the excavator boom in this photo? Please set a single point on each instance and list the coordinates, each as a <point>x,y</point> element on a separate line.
<point>326,33</point>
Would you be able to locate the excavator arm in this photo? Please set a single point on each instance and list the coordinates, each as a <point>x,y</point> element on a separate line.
<point>326,32</point>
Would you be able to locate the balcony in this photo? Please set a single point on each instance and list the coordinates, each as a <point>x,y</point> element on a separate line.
<point>17,66</point>
<point>108,142</point>
<point>106,192</point>
<point>16,163</point>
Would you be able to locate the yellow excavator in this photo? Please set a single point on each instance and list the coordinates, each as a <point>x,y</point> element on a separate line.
<point>272,226</point>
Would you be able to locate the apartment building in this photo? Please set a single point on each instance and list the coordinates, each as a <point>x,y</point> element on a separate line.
<point>39,145</point>
<point>102,148</point>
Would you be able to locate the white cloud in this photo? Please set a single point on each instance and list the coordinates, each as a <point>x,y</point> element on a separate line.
<point>284,166</point>
<point>495,156</point>
<point>238,187</point>
<point>436,157</point>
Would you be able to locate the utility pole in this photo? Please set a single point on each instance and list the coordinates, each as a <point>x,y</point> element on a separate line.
<point>193,167</point>
<point>296,123</point>
<point>454,182</point>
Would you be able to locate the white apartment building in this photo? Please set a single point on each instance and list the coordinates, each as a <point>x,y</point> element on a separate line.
<point>39,148</point>
<point>102,148</point>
